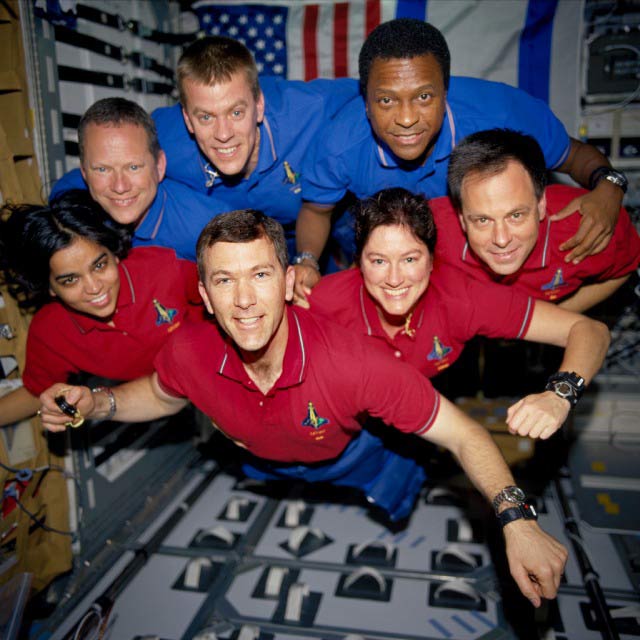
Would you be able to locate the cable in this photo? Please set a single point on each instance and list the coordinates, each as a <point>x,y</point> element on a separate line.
<point>12,493</point>
<point>17,470</point>
<point>98,627</point>
<point>25,475</point>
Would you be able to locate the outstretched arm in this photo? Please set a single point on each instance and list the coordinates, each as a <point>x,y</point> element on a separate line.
<point>136,401</point>
<point>585,341</point>
<point>536,559</point>
<point>589,295</point>
<point>312,232</point>
<point>17,405</point>
<point>599,208</point>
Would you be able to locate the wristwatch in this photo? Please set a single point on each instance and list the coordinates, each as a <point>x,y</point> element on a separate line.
<point>612,175</point>
<point>306,255</point>
<point>512,494</point>
<point>524,511</point>
<point>569,386</point>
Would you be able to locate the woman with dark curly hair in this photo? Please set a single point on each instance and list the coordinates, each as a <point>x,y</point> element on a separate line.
<point>421,311</point>
<point>102,309</point>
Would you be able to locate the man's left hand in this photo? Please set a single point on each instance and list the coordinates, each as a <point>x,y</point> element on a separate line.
<point>539,415</point>
<point>599,209</point>
<point>536,560</point>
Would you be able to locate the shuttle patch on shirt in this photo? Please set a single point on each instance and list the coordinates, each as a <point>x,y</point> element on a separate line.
<point>439,354</point>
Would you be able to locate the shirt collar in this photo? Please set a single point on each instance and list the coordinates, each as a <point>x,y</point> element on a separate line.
<point>267,157</point>
<point>126,297</point>
<point>444,146</point>
<point>540,256</point>
<point>294,364</point>
<point>371,319</point>
<point>148,228</point>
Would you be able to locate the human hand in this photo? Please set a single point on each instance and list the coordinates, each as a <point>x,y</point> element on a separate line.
<point>538,415</point>
<point>599,209</point>
<point>536,560</point>
<point>52,416</point>
<point>306,278</point>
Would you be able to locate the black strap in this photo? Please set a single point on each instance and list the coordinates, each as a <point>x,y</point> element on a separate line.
<point>113,81</point>
<point>101,17</point>
<point>99,78</point>
<point>103,48</point>
<point>160,37</point>
<point>140,85</point>
<point>71,149</point>
<point>75,39</point>
<point>524,510</point>
<point>70,120</point>
<point>116,21</point>
<point>141,61</point>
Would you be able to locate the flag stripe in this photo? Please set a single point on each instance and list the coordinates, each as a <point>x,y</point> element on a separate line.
<point>340,33</point>
<point>357,31</point>
<point>310,23</point>
<point>372,9</point>
<point>322,38</point>
<point>535,48</point>
<point>325,39</point>
<point>295,45</point>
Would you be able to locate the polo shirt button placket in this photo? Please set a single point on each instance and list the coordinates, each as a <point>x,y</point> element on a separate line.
<point>397,354</point>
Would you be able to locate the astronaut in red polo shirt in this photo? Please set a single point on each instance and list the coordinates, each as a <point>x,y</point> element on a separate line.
<point>423,311</point>
<point>291,389</point>
<point>497,186</point>
<point>156,289</point>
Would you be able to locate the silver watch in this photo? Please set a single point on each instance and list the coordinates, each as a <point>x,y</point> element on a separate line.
<point>306,255</point>
<point>511,494</point>
<point>612,175</point>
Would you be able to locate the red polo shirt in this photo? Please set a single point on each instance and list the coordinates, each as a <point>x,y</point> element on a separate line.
<point>156,291</point>
<point>329,378</point>
<point>453,309</point>
<point>545,274</point>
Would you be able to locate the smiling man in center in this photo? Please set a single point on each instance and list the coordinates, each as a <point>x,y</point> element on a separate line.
<point>265,373</point>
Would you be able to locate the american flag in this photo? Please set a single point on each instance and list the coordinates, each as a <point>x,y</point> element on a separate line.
<point>531,44</point>
<point>303,41</point>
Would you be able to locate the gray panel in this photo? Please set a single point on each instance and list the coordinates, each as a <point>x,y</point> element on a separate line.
<point>572,616</point>
<point>600,547</point>
<point>406,615</point>
<point>347,526</point>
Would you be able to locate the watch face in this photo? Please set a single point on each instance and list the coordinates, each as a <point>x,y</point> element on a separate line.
<point>514,494</point>
<point>619,179</point>
<point>564,389</point>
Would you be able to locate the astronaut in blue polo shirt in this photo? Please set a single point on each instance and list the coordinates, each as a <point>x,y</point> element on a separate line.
<point>403,130</point>
<point>123,167</point>
<point>240,140</point>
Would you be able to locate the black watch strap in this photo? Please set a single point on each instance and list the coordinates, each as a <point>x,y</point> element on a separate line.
<point>524,511</point>
<point>612,175</point>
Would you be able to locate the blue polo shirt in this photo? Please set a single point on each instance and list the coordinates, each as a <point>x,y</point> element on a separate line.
<point>175,219</point>
<point>296,113</point>
<point>348,157</point>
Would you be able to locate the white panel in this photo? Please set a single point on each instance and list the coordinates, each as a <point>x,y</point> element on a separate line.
<point>483,37</point>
